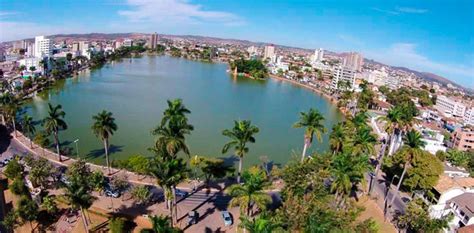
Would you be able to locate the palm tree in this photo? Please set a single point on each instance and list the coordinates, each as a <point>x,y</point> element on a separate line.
<point>172,136</point>
<point>29,128</point>
<point>312,122</point>
<point>10,106</point>
<point>80,198</point>
<point>363,142</point>
<point>175,109</point>
<point>162,224</point>
<point>168,172</point>
<point>250,193</point>
<point>411,149</point>
<point>104,126</point>
<point>260,224</point>
<point>241,134</point>
<point>393,122</point>
<point>337,138</point>
<point>55,122</point>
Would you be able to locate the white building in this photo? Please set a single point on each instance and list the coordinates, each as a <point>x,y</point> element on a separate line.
<point>454,195</point>
<point>343,74</point>
<point>269,52</point>
<point>450,107</point>
<point>469,116</point>
<point>127,43</point>
<point>354,61</point>
<point>318,55</point>
<point>31,61</point>
<point>252,50</point>
<point>43,47</point>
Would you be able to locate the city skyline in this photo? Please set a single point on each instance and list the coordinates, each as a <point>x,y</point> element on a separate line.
<point>410,34</point>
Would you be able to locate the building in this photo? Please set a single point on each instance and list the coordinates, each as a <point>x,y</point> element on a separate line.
<point>450,107</point>
<point>31,62</point>
<point>152,41</point>
<point>127,43</point>
<point>252,50</point>
<point>469,116</point>
<point>43,47</point>
<point>453,196</point>
<point>342,74</point>
<point>269,52</point>
<point>75,47</point>
<point>318,55</point>
<point>463,138</point>
<point>354,61</point>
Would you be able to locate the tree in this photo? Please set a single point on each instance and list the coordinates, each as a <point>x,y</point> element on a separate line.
<point>14,169</point>
<point>117,225</point>
<point>241,134</point>
<point>263,223</point>
<point>41,170</point>
<point>458,158</point>
<point>104,126</point>
<point>412,149</point>
<point>10,105</point>
<point>29,128</point>
<point>139,164</point>
<point>27,210</point>
<point>10,221</point>
<point>18,187</point>
<point>215,168</point>
<point>393,121</point>
<point>97,181</point>
<point>250,193</point>
<point>363,142</point>
<point>141,194</point>
<point>312,121</point>
<point>162,224</point>
<point>78,190</point>
<point>417,219</point>
<point>337,138</point>
<point>55,122</point>
<point>49,204</point>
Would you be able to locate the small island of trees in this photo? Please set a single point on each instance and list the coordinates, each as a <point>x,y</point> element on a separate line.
<point>254,68</point>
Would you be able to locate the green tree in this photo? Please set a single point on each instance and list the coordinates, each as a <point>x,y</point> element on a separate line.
<point>41,170</point>
<point>363,142</point>
<point>97,181</point>
<point>241,134</point>
<point>10,105</point>
<point>263,223</point>
<point>393,121</point>
<point>103,127</point>
<point>312,121</point>
<point>27,210</point>
<point>117,225</point>
<point>55,122</point>
<point>42,139</point>
<point>49,204</point>
<point>458,158</point>
<point>417,219</point>
<point>337,138</point>
<point>250,193</point>
<point>411,150</point>
<point>139,164</point>
<point>215,168</point>
<point>29,128</point>
<point>14,169</point>
<point>18,187</point>
<point>10,221</point>
<point>141,194</point>
<point>162,224</point>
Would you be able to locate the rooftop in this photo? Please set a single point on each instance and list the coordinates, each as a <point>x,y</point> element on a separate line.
<point>465,203</point>
<point>446,183</point>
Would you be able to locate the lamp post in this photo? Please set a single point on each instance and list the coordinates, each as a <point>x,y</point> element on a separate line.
<point>77,148</point>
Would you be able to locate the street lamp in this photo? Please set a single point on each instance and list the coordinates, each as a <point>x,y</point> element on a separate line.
<point>77,148</point>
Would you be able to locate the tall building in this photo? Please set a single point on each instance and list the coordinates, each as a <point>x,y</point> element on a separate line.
<point>75,47</point>
<point>252,50</point>
<point>269,52</point>
<point>354,61</point>
<point>152,41</point>
<point>43,47</point>
<point>343,75</point>
<point>450,107</point>
<point>318,55</point>
<point>463,139</point>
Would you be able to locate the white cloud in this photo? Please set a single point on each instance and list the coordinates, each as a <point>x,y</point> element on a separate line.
<point>12,30</point>
<point>176,12</point>
<point>405,54</point>
<point>411,10</point>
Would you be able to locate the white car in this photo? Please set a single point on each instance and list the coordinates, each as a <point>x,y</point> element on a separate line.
<point>113,194</point>
<point>227,218</point>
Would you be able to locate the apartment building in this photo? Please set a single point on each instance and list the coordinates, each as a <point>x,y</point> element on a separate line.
<point>463,139</point>
<point>342,74</point>
<point>450,107</point>
<point>43,47</point>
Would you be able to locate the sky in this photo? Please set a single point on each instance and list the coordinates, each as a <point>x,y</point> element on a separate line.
<point>432,36</point>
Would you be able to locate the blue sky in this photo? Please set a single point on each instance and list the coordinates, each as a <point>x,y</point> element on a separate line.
<point>434,36</point>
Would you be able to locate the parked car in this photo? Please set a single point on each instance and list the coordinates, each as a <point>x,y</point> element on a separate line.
<point>64,180</point>
<point>227,218</point>
<point>111,193</point>
<point>193,217</point>
<point>181,193</point>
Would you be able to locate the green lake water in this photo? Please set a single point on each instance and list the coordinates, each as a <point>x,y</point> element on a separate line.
<point>135,91</point>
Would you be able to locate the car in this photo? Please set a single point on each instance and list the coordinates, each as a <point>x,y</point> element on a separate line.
<point>111,193</point>
<point>193,217</point>
<point>64,180</point>
<point>181,193</point>
<point>227,218</point>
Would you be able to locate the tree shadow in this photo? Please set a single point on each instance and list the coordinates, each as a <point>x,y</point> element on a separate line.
<point>5,138</point>
<point>101,152</point>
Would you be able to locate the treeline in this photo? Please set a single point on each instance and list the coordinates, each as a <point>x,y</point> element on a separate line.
<point>254,68</point>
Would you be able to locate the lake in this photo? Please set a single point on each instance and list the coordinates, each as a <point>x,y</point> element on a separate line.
<point>135,90</point>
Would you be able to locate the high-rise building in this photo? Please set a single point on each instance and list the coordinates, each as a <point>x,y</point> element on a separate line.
<point>269,52</point>
<point>152,41</point>
<point>354,61</point>
<point>318,55</point>
<point>252,50</point>
<point>343,78</point>
<point>43,47</point>
<point>75,47</point>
